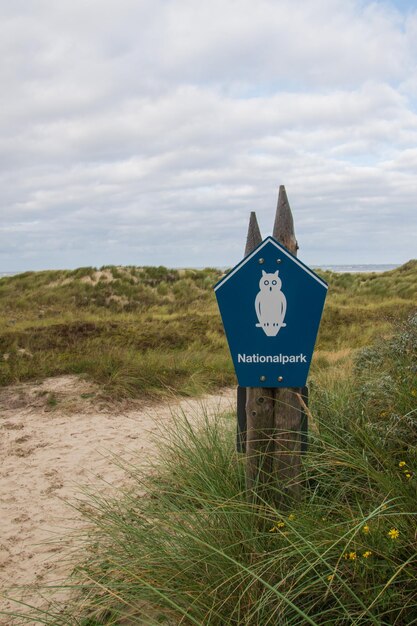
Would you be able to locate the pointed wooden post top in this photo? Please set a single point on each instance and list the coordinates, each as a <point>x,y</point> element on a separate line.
<point>284,224</point>
<point>254,237</point>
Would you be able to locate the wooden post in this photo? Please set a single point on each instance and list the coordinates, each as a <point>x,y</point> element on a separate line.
<point>284,224</point>
<point>286,466</point>
<point>274,417</point>
<point>259,413</point>
<point>254,238</point>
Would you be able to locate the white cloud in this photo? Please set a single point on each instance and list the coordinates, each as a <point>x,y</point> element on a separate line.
<point>144,132</point>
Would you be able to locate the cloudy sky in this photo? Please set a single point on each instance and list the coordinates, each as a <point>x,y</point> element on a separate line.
<point>145,131</point>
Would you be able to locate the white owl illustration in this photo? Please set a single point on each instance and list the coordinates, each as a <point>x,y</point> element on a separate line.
<point>270,304</point>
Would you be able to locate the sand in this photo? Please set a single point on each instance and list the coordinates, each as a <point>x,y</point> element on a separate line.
<point>57,437</point>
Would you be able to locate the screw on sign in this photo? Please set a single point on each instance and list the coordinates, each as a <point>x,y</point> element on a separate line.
<point>271,305</point>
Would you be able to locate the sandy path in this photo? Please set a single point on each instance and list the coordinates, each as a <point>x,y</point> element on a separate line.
<point>48,449</point>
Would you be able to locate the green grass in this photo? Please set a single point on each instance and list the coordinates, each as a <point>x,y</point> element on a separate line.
<point>194,550</point>
<point>151,330</point>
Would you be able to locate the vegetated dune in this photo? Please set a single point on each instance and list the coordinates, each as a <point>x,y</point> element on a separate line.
<point>185,545</point>
<point>132,333</point>
<point>149,331</point>
<point>50,450</point>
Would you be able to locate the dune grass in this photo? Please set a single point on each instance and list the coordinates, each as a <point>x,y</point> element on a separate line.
<point>194,550</point>
<point>151,330</point>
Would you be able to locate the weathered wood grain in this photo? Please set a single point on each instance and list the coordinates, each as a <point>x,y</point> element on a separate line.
<point>286,466</point>
<point>283,230</point>
<point>260,404</point>
<point>259,412</point>
<point>287,410</point>
<point>273,437</point>
<point>254,237</point>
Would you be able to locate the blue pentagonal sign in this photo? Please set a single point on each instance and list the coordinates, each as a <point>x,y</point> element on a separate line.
<point>271,305</point>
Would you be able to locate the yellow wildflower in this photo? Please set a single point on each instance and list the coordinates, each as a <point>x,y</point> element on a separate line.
<point>291,517</point>
<point>402,464</point>
<point>366,529</point>
<point>393,533</point>
<point>352,556</point>
<point>346,555</point>
<point>330,577</point>
<point>407,475</point>
<point>367,554</point>
<point>280,524</point>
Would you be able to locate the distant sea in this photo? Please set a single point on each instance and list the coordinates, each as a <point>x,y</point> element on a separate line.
<point>343,269</point>
<point>340,269</point>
